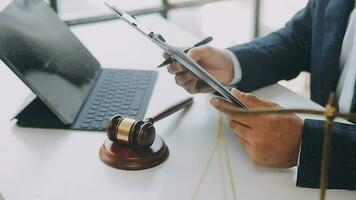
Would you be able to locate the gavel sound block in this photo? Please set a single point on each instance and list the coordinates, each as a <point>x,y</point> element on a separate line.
<point>134,145</point>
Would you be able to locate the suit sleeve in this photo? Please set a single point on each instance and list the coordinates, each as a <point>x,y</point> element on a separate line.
<point>280,55</point>
<point>342,165</point>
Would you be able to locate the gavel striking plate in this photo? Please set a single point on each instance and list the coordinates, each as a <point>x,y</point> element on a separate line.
<point>133,144</point>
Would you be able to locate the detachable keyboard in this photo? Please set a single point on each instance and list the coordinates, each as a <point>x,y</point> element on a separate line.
<point>117,92</point>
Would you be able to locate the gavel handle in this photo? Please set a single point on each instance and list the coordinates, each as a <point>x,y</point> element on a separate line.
<point>172,109</point>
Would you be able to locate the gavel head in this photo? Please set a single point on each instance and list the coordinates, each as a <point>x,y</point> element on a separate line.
<point>131,132</point>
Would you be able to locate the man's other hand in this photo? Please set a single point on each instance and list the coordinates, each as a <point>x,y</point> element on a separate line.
<point>270,140</point>
<point>217,62</point>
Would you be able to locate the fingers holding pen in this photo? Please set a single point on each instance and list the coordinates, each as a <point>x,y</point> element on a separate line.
<point>166,55</point>
<point>182,78</point>
<point>196,53</point>
<point>176,68</point>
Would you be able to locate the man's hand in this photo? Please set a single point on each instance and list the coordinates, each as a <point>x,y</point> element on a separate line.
<point>270,140</point>
<point>217,62</point>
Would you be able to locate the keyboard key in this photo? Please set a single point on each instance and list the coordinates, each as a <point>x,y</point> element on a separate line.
<point>96,125</point>
<point>105,105</point>
<point>123,111</point>
<point>115,104</point>
<point>104,87</point>
<point>107,101</point>
<point>132,112</point>
<point>110,98</point>
<point>120,93</point>
<point>87,121</point>
<point>91,111</point>
<point>84,125</point>
<point>99,119</point>
<point>94,107</point>
<point>95,102</point>
<point>110,93</point>
<point>101,114</point>
<point>118,99</point>
<point>100,94</point>
<point>103,108</point>
<point>114,109</point>
<point>111,113</point>
<point>102,90</point>
<point>89,116</point>
<point>98,99</point>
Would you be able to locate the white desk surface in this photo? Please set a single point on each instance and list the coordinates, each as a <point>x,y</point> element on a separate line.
<point>64,164</point>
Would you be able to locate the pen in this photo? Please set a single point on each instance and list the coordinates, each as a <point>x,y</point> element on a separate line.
<point>170,60</point>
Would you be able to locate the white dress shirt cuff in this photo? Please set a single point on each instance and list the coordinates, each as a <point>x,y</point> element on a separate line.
<point>300,150</point>
<point>237,69</point>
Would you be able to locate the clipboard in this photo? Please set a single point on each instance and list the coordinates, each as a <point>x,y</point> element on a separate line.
<point>179,55</point>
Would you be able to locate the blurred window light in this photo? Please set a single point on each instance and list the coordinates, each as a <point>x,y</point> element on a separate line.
<point>272,20</point>
<point>69,9</point>
<point>229,22</point>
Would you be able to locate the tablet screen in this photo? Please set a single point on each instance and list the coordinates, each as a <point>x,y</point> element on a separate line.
<point>43,52</point>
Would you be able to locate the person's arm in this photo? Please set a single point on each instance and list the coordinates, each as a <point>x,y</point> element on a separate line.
<point>342,167</point>
<point>280,55</point>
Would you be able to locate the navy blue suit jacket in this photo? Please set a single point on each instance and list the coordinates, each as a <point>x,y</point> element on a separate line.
<point>311,41</point>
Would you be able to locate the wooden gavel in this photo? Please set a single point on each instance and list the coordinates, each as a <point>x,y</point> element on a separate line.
<point>136,133</point>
